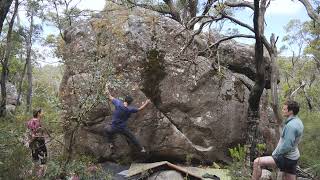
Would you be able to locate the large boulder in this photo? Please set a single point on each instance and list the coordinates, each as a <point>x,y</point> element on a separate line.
<point>198,109</point>
<point>12,96</point>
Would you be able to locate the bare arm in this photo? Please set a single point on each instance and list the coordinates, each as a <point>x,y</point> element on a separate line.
<point>144,105</point>
<point>107,92</point>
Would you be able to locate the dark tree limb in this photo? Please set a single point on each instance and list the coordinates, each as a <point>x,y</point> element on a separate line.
<point>237,21</point>
<point>58,20</point>
<point>198,32</point>
<point>216,44</point>
<point>4,8</point>
<point>4,63</point>
<point>208,6</point>
<point>255,94</point>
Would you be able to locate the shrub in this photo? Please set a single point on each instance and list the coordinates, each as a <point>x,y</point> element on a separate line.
<point>238,169</point>
<point>310,146</point>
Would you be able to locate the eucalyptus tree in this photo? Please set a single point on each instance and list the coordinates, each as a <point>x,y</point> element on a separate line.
<point>34,9</point>
<point>4,8</point>
<point>62,14</point>
<point>304,36</point>
<point>5,61</point>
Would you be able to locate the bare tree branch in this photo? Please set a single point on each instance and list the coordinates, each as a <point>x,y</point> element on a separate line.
<point>156,8</point>
<point>208,6</point>
<point>196,19</point>
<point>312,14</point>
<point>58,20</point>
<point>237,21</point>
<point>240,4</point>
<point>198,32</point>
<point>216,44</point>
<point>194,34</point>
<point>303,83</point>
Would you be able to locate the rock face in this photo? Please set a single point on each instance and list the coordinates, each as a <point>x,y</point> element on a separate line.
<point>12,96</point>
<point>197,111</point>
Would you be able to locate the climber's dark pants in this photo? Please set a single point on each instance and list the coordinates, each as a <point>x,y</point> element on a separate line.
<point>111,131</point>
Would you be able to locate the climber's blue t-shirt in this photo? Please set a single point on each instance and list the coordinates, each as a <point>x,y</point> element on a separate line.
<point>121,114</point>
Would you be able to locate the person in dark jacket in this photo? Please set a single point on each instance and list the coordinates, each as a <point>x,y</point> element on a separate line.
<point>120,116</point>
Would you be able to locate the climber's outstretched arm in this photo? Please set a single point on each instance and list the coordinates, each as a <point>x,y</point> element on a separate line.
<point>144,105</point>
<point>107,92</point>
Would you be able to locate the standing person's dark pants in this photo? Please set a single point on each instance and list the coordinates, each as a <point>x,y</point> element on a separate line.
<point>111,131</point>
<point>39,150</point>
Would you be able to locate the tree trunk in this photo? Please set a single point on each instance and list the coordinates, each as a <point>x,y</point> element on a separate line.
<point>20,84</point>
<point>4,63</point>
<point>29,65</point>
<point>4,8</point>
<point>274,80</point>
<point>257,90</point>
<point>308,99</point>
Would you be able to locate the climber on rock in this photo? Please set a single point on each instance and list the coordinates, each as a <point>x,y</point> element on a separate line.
<point>120,116</point>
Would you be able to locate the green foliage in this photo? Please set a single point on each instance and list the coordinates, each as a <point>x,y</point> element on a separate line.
<point>16,68</point>
<point>82,167</point>
<point>189,159</point>
<point>292,74</point>
<point>68,13</point>
<point>261,148</point>
<point>310,146</point>
<point>14,156</point>
<point>294,71</point>
<point>238,169</point>
<point>238,153</point>
<point>291,77</point>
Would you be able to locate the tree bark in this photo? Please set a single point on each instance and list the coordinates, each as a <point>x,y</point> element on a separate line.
<point>257,90</point>
<point>20,84</point>
<point>29,65</point>
<point>308,99</point>
<point>274,79</point>
<point>4,63</point>
<point>4,8</point>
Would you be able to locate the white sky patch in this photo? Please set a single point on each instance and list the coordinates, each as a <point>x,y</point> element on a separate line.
<point>92,4</point>
<point>284,7</point>
<point>96,5</point>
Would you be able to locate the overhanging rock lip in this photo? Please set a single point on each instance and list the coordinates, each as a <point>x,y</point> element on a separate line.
<point>139,168</point>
